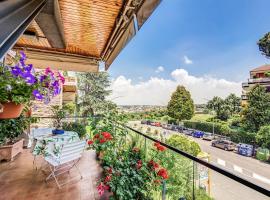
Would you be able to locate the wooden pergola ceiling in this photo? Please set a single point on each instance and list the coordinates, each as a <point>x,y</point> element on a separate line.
<point>94,29</point>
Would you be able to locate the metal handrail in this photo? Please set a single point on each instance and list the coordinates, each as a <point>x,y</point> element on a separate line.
<point>224,172</point>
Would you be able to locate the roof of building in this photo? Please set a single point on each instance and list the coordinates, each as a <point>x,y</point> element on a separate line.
<point>262,68</point>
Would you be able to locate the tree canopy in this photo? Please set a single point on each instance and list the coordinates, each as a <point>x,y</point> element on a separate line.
<point>93,90</point>
<point>181,105</point>
<point>264,45</point>
<point>257,112</point>
<point>224,108</point>
<point>263,137</point>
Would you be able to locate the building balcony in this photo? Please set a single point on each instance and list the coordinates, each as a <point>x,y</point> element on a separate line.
<point>70,84</point>
<point>244,97</point>
<point>245,84</point>
<point>259,80</point>
<point>69,89</point>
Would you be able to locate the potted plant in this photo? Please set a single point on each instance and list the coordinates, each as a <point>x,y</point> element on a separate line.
<point>19,83</point>
<point>59,114</point>
<point>10,131</point>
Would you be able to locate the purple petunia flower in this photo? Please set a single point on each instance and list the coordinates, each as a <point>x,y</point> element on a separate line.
<point>28,68</point>
<point>23,56</point>
<point>42,78</point>
<point>62,78</point>
<point>55,84</point>
<point>29,78</point>
<point>56,91</point>
<point>16,70</point>
<point>37,95</point>
<point>49,71</point>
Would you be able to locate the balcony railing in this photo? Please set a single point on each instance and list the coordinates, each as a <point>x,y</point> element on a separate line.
<point>203,177</point>
<point>245,84</point>
<point>259,80</point>
<point>244,97</point>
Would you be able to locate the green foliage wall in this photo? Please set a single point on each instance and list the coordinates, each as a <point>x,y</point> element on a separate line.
<point>219,128</point>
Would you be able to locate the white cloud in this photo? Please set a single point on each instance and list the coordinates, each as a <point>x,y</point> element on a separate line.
<point>187,60</point>
<point>157,91</point>
<point>159,69</point>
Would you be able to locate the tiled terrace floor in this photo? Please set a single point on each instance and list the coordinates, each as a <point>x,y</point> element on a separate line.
<point>20,181</point>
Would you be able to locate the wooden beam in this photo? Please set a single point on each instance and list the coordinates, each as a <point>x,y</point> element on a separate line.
<point>59,61</point>
<point>49,20</point>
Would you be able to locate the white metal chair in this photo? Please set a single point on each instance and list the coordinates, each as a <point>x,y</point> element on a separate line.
<point>67,159</point>
<point>35,134</point>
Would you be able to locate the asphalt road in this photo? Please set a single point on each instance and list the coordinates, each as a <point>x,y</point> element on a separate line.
<point>223,188</point>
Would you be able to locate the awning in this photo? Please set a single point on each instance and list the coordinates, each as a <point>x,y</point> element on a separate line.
<point>94,29</point>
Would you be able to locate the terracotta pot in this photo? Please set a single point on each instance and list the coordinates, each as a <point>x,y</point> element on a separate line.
<point>28,113</point>
<point>11,110</point>
<point>8,152</point>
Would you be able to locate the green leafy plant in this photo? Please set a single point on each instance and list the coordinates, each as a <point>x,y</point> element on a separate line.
<point>59,114</point>
<point>76,127</point>
<point>11,129</point>
<point>263,137</point>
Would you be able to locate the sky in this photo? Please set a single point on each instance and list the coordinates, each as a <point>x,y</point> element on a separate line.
<point>208,46</point>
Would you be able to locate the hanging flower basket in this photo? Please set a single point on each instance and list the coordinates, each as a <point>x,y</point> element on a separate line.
<point>10,110</point>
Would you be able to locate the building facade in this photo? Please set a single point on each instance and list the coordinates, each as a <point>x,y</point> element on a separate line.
<point>259,75</point>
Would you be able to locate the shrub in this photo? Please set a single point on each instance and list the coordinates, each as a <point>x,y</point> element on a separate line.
<point>263,137</point>
<point>11,129</point>
<point>184,144</point>
<point>203,126</point>
<point>76,127</point>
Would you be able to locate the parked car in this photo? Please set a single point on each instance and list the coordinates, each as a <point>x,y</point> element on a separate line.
<point>158,124</point>
<point>148,122</point>
<point>188,132</point>
<point>245,149</point>
<point>227,145</point>
<point>143,122</point>
<point>208,136</point>
<point>167,126</point>
<point>198,134</point>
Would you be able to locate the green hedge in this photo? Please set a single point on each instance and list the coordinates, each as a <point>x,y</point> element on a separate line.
<point>220,128</point>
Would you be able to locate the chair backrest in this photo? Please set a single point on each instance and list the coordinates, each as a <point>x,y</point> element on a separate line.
<point>39,132</point>
<point>72,151</point>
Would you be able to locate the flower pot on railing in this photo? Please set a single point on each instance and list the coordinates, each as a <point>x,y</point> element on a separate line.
<point>10,110</point>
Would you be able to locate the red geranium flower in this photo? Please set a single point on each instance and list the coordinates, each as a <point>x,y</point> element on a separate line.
<point>107,135</point>
<point>139,164</point>
<point>96,136</point>
<point>101,188</point>
<point>152,164</point>
<point>163,173</point>
<point>156,144</point>
<point>107,179</point>
<point>109,170</point>
<point>159,146</point>
<point>90,142</point>
<point>101,141</point>
<point>106,187</point>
